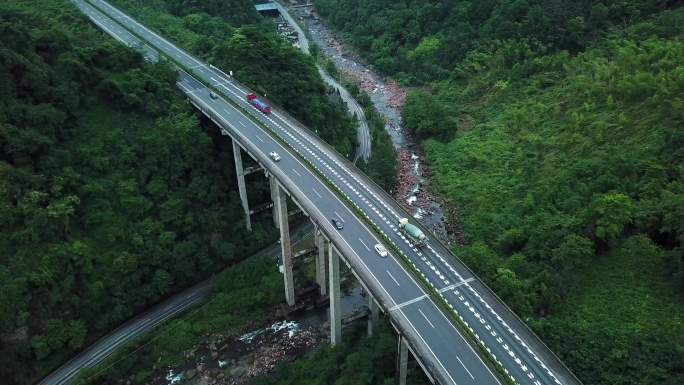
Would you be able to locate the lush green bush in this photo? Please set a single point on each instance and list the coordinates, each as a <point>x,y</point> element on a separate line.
<point>382,164</point>
<point>623,327</point>
<point>428,117</point>
<point>357,361</point>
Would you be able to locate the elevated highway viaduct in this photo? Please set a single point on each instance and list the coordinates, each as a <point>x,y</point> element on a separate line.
<point>457,328</point>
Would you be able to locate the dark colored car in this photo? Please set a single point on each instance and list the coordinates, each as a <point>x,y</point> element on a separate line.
<point>338,224</point>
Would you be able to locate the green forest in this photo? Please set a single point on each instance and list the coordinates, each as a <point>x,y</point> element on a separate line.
<point>557,130</point>
<point>258,58</point>
<point>381,166</point>
<point>243,296</point>
<point>114,192</point>
<point>359,360</point>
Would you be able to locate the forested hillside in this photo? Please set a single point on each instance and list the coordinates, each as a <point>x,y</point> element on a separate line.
<point>258,58</point>
<point>418,41</point>
<point>112,194</point>
<point>557,129</point>
<point>236,12</point>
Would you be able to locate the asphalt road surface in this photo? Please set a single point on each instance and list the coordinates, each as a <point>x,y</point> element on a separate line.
<point>148,320</point>
<point>363,148</point>
<point>439,345</point>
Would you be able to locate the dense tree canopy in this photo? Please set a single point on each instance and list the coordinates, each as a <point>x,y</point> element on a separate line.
<point>367,361</point>
<point>564,168</point>
<point>423,40</point>
<point>112,195</point>
<point>556,128</point>
<point>243,296</point>
<point>259,59</point>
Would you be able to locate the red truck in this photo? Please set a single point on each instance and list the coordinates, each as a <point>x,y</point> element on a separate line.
<point>258,103</point>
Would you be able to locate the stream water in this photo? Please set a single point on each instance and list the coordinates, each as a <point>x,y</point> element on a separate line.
<point>387,97</point>
<point>235,361</point>
<point>257,352</point>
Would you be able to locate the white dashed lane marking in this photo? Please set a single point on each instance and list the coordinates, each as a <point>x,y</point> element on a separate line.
<point>364,244</point>
<point>426,318</point>
<point>374,208</point>
<point>394,279</point>
<point>464,367</point>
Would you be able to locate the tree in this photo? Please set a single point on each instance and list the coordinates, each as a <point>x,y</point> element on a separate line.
<point>575,252</point>
<point>427,117</point>
<point>610,213</point>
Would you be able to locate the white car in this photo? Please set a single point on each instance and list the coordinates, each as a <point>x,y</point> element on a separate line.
<point>381,250</point>
<point>274,155</point>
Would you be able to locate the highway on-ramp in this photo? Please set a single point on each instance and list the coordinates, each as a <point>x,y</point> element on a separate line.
<point>434,337</point>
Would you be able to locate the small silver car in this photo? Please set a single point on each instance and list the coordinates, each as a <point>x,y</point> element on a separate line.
<point>381,250</point>
<point>213,95</point>
<point>274,155</point>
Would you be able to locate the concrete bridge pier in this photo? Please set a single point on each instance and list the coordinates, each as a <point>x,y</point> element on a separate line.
<point>402,360</point>
<point>285,247</point>
<point>240,173</point>
<point>335,306</point>
<point>321,244</point>
<point>273,185</point>
<point>373,316</point>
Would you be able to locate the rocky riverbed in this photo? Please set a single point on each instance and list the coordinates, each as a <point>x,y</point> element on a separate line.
<point>236,361</point>
<point>413,184</point>
<point>229,360</point>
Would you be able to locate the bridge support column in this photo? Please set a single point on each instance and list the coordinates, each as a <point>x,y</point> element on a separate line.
<point>374,315</point>
<point>240,173</point>
<point>274,186</point>
<point>402,360</point>
<point>285,248</point>
<point>335,306</point>
<point>321,244</point>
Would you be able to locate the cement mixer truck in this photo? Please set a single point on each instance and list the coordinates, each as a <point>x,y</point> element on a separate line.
<point>416,235</point>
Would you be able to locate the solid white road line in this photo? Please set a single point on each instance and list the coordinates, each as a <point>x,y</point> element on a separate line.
<point>399,306</point>
<point>412,326</point>
<point>394,279</point>
<point>447,288</point>
<point>426,318</point>
<point>364,244</point>
<point>464,367</point>
<point>336,213</point>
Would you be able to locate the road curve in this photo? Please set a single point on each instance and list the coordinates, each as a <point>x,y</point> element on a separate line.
<point>431,333</point>
<point>148,320</point>
<point>363,138</point>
